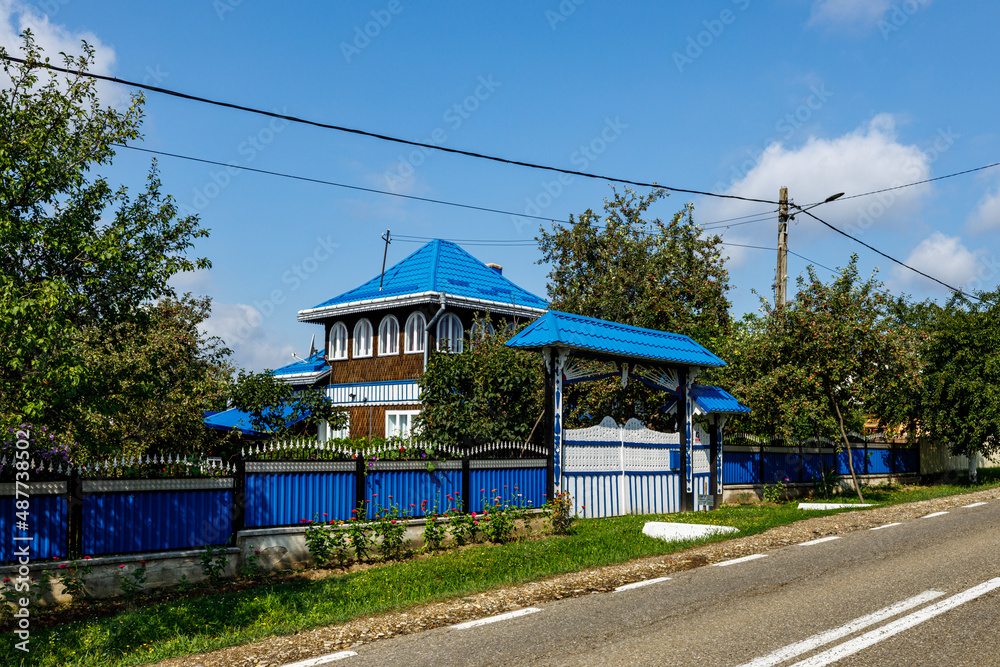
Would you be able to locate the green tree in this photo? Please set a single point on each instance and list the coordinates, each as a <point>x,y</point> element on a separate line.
<point>275,407</point>
<point>961,380</point>
<point>624,267</point>
<point>79,259</point>
<point>152,391</point>
<point>825,361</point>
<point>488,393</point>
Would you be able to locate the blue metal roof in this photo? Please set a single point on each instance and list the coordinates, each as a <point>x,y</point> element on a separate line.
<point>716,399</point>
<point>316,363</point>
<point>237,419</point>
<point>441,266</point>
<point>557,329</point>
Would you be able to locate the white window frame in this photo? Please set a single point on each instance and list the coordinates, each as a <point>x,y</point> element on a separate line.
<point>409,414</point>
<point>359,351</point>
<point>446,329</point>
<point>388,342</point>
<point>416,323</point>
<point>341,329</point>
<point>325,434</point>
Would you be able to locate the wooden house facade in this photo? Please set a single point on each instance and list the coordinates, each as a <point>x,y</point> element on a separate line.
<point>379,335</point>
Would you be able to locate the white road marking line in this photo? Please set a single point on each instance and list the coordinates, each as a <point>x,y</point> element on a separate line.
<point>897,523</point>
<point>973,505</point>
<point>739,560</point>
<point>322,660</point>
<point>894,628</point>
<point>810,643</point>
<point>639,584</point>
<point>933,514</point>
<point>494,619</point>
<point>819,541</point>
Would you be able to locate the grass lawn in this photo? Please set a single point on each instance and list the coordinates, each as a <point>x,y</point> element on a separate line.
<point>171,628</point>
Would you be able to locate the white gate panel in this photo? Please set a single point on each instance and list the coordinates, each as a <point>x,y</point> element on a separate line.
<point>594,494</point>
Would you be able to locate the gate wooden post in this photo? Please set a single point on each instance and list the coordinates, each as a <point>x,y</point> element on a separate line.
<point>686,485</point>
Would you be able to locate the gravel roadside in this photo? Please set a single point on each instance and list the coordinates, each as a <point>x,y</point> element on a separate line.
<point>277,651</point>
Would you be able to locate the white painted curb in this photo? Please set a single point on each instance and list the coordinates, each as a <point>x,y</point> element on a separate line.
<point>831,506</point>
<point>672,532</point>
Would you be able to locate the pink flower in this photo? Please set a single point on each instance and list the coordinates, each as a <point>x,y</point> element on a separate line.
<point>120,566</point>
<point>62,566</point>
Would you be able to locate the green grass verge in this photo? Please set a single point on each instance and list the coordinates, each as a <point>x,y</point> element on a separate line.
<point>169,629</point>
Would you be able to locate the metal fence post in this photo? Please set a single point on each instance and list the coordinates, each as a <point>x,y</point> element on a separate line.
<point>239,498</point>
<point>74,531</point>
<point>360,490</point>
<point>466,484</point>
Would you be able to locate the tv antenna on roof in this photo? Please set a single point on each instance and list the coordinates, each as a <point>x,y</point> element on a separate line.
<point>385,237</point>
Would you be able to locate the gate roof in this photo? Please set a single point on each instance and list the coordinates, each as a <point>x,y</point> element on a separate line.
<point>588,336</point>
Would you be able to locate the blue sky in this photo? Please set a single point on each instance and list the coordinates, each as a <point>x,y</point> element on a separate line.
<point>729,96</point>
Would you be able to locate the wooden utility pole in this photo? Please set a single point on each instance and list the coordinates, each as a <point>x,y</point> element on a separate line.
<point>782,276</point>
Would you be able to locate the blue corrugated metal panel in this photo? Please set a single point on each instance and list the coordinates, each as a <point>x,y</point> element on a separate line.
<point>47,519</point>
<point>522,486</point>
<point>587,333</point>
<point>407,491</point>
<point>781,466</point>
<point>241,421</point>
<point>879,461</point>
<point>740,467</point>
<point>907,460</point>
<point>288,498</point>
<point>316,363</point>
<point>441,266</point>
<point>128,522</point>
<point>812,466</point>
<point>858,459</point>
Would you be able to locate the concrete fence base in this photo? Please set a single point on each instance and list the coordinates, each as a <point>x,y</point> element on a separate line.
<point>281,550</point>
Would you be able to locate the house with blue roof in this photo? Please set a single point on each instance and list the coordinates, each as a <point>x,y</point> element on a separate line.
<point>379,334</point>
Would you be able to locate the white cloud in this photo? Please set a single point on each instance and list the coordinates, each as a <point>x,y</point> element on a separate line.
<point>868,158</point>
<point>53,38</point>
<point>944,257</point>
<point>861,13</point>
<point>241,327</point>
<point>986,217</point>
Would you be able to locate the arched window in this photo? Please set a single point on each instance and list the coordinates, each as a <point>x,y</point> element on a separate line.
<point>388,336</point>
<point>480,329</point>
<point>362,339</point>
<point>338,341</point>
<point>416,333</point>
<point>449,334</point>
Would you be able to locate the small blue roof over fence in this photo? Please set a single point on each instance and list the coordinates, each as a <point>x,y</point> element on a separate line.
<point>440,266</point>
<point>602,337</point>
<point>712,400</point>
<point>232,418</point>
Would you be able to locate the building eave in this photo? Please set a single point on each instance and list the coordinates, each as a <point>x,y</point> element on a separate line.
<point>400,300</point>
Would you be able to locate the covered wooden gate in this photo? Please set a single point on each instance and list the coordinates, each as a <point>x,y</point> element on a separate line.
<point>610,470</point>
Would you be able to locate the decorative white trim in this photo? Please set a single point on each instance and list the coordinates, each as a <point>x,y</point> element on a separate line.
<point>382,303</point>
<point>399,466</point>
<point>582,369</point>
<point>297,378</point>
<point>137,485</point>
<point>299,466</point>
<point>402,393</point>
<point>660,376</point>
<point>501,464</point>
<point>51,488</point>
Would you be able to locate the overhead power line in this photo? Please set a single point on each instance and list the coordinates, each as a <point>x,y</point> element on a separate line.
<point>374,135</point>
<point>320,181</point>
<point>889,257</point>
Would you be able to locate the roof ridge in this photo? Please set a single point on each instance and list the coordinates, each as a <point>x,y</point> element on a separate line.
<point>435,255</point>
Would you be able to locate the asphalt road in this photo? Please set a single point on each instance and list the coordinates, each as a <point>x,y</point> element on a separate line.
<point>924,592</point>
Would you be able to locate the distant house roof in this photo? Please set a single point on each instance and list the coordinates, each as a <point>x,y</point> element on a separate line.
<point>436,268</point>
<point>304,371</point>
<point>232,418</point>
<point>611,339</point>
